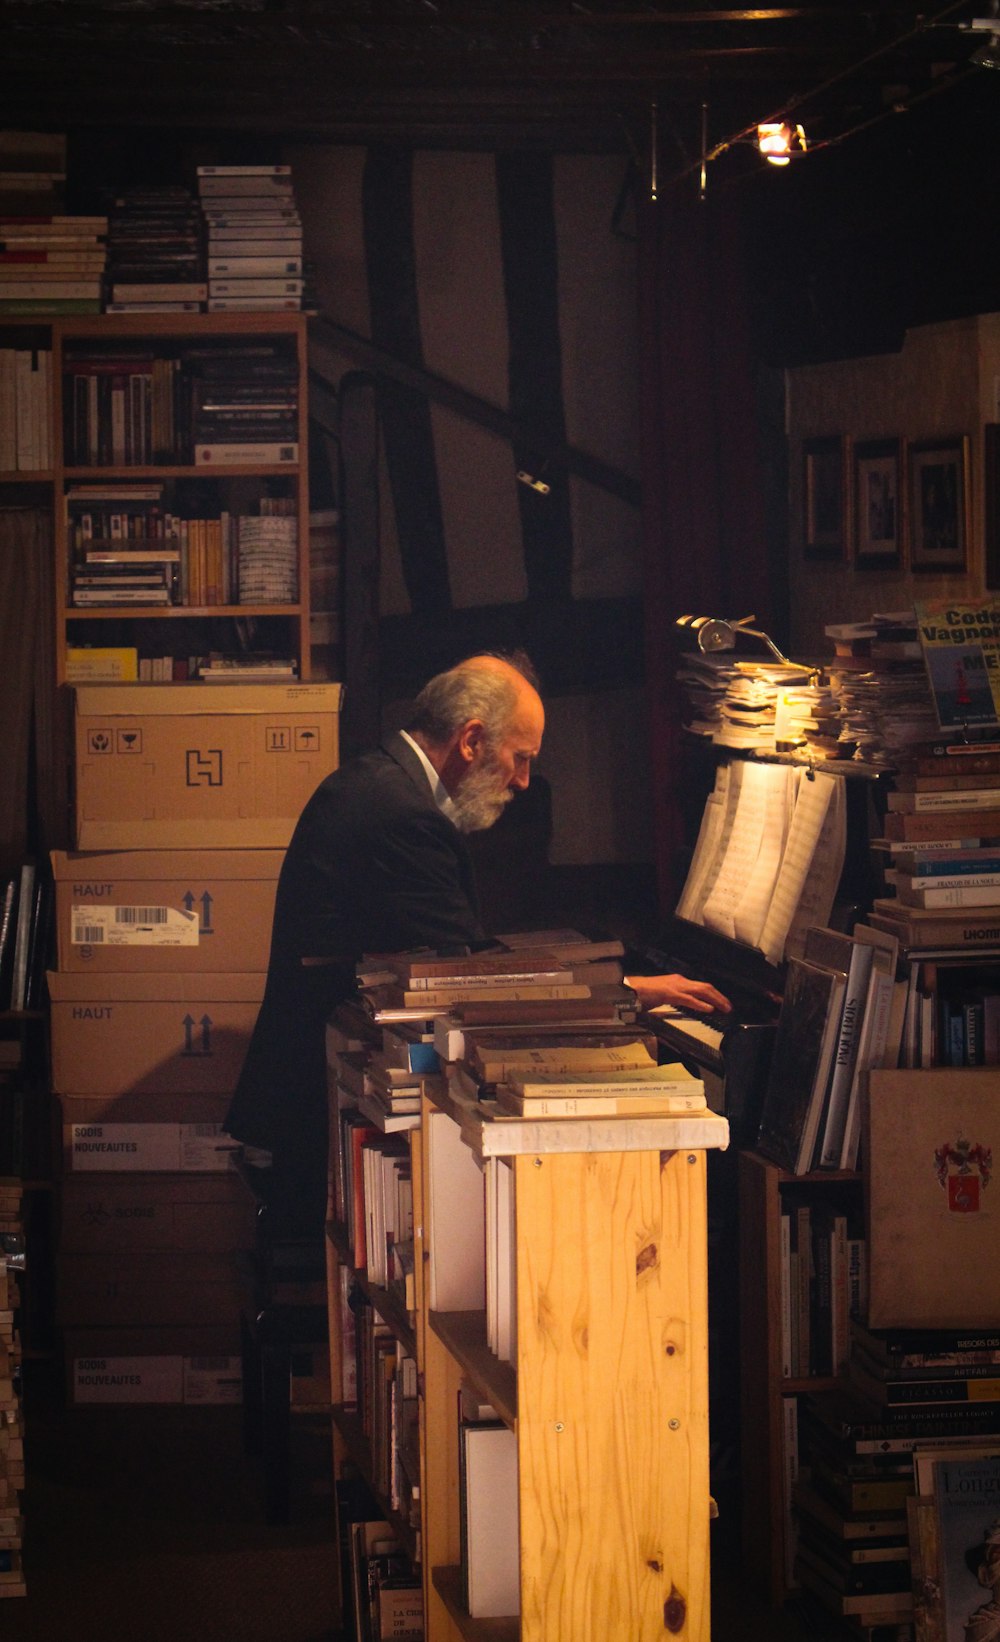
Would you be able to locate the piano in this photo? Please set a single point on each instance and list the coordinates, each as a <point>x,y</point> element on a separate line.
<point>731,1053</point>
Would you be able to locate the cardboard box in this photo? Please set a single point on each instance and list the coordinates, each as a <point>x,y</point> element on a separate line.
<point>190,766</point>
<point>149,1033</point>
<point>147,1148</point>
<point>196,1366</point>
<point>133,1108</point>
<point>184,1214</point>
<point>147,1290</point>
<point>164,910</point>
<point>931,1139</point>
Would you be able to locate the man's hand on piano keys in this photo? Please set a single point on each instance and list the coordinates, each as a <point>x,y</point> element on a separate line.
<point>680,992</point>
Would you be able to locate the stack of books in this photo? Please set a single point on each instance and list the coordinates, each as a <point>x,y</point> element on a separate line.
<point>248,666</point>
<point>551,979</point>
<point>124,550</point>
<point>849,1504</point>
<point>154,252</point>
<point>941,848</point>
<point>253,237</point>
<point>51,262</point>
<point>12,1251</point>
<point>243,404</point>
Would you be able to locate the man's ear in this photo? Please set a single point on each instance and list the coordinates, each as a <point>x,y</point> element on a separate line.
<point>471,740</point>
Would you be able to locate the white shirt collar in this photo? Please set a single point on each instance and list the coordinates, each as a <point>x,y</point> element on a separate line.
<point>439,792</point>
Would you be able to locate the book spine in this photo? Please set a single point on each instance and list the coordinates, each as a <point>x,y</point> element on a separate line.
<point>902,828</point>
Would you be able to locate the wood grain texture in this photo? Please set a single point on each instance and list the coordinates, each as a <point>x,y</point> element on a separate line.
<point>613,1397</point>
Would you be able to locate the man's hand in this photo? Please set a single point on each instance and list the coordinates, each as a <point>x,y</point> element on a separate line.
<point>691,997</point>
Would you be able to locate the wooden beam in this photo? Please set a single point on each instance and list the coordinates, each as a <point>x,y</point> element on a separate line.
<point>329,342</point>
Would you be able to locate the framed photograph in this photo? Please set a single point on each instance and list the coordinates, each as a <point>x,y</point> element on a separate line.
<point>824,494</point>
<point>877,505</point>
<point>991,500</point>
<point>938,495</point>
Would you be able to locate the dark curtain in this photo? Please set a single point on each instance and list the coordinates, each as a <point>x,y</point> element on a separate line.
<point>33,789</point>
<point>704,527</point>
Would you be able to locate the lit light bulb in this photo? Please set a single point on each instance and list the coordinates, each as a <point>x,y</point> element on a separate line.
<point>777,140</point>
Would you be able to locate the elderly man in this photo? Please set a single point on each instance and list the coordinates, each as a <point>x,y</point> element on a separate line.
<point>378,862</point>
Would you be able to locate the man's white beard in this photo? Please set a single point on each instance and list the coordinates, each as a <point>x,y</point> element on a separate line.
<point>480,800</point>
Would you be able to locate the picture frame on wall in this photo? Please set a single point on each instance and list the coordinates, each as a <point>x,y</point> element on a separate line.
<point>991,503</point>
<point>878,510</point>
<point>938,492</point>
<point>824,492</point>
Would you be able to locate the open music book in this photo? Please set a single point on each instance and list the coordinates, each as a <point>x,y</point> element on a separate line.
<point>769,855</point>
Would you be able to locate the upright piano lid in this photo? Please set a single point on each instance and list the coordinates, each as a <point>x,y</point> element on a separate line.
<point>739,970</point>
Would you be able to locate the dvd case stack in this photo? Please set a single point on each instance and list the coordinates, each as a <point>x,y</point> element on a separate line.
<point>154,251</point>
<point>253,236</point>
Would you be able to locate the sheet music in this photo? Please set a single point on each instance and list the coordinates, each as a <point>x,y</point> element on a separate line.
<point>709,849</point>
<point>743,847</point>
<point>803,888</point>
<point>779,800</point>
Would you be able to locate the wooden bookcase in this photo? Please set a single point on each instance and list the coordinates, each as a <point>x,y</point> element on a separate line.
<point>608,1390</point>
<point>286,624</point>
<point>764,1388</point>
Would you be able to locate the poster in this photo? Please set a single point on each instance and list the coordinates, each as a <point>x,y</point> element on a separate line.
<point>961,647</point>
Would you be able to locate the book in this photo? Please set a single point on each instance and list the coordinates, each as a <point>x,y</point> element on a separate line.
<point>967,1513</point>
<point>491,1057</point>
<point>515,992</point>
<point>929,1198</point>
<point>259,266</point>
<point>570,946</point>
<point>947,798</point>
<point>853,1529</point>
<point>27,289</point>
<point>22,933</point>
<point>876,1047</point>
<point>931,927</point>
<point>945,868</point>
<point>671,1079</point>
<point>964,892</point>
<point>8,926</point>
<point>488,1501</point>
<point>834,950</point>
<point>801,1062</point>
<point>910,1347</point>
<point>174,290</point>
<point>597,1105</point>
<point>248,453</point>
<point>486,981</point>
<point>557,1011</point>
<point>917,1390</point>
<point>929,825</point>
<point>869,1427</point>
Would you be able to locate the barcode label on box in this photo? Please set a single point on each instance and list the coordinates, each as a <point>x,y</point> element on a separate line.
<point>132,926</point>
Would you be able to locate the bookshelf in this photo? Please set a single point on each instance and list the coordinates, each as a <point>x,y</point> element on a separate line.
<point>607,1389</point>
<point>765,1190</point>
<point>124,454</point>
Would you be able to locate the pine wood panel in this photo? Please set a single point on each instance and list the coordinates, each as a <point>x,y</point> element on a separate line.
<point>613,1397</point>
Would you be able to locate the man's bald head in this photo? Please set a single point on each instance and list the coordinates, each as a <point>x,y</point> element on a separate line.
<point>480,724</point>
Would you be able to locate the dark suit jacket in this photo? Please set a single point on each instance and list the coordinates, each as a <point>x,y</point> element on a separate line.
<point>372,866</point>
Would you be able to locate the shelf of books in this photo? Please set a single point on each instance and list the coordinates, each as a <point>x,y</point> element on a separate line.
<point>871,1359</point>
<point>529,1409</point>
<point>176,449</point>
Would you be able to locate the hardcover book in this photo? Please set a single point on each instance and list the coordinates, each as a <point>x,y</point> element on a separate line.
<point>804,1047</point>
<point>967,1511</point>
<point>932,1138</point>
